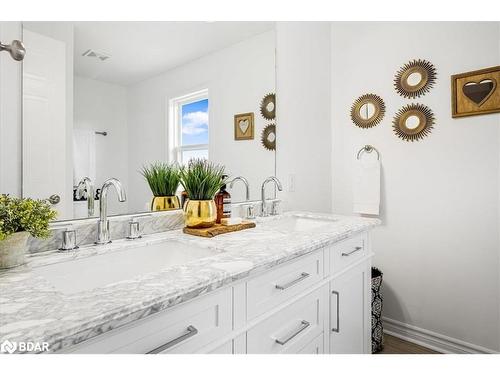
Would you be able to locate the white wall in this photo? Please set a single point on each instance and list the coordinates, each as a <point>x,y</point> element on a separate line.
<point>303,133</point>
<point>10,114</point>
<point>102,106</point>
<point>237,78</point>
<point>439,244</point>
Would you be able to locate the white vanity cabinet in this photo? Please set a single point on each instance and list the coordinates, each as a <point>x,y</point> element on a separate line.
<point>350,297</point>
<point>316,303</point>
<point>350,311</point>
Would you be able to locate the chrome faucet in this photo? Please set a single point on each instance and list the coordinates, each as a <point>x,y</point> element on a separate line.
<point>103,224</point>
<point>87,184</point>
<point>245,181</point>
<point>263,193</point>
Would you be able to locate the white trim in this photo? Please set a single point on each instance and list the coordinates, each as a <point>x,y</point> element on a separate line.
<point>432,340</point>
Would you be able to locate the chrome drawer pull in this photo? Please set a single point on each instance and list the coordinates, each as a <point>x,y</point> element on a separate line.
<point>303,325</point>
<point>303,275</point>
<point>191,331</point>
<point>338,311</point>
<point>357,248</point>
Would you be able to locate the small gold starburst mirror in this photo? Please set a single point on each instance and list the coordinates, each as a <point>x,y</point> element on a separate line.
<point>367,111</point>
<point>268,107</point>
<point>413,122</point>
<point>415,78</point>
<point>268,137</point>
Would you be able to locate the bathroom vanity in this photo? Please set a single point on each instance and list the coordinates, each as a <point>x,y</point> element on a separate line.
<point>297,283</point>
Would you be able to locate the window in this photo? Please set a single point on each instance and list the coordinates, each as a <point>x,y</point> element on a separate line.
<point>188,127</point>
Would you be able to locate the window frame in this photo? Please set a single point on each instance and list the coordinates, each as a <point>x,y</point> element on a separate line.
<point>175,148</point>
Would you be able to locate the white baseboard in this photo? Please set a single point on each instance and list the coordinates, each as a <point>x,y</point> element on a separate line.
<point>431,340</point>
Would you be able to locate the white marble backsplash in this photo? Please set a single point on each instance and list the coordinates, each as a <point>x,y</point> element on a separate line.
<point>150,223</point>
<point>86,230</point>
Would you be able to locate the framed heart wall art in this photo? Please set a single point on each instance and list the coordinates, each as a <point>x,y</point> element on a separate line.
<point>243,126</point>
<point>476,92</point>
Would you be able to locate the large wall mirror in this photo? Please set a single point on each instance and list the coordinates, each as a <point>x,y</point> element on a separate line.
<point>104,99</point>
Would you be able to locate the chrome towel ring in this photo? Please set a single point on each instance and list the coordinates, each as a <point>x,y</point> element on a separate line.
<point>368,149</point>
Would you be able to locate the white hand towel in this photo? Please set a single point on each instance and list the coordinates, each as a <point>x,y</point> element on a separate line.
<point>366,189</point>
<point>84,155</point>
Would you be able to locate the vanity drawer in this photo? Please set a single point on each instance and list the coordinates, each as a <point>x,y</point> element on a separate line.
<point>186,328</point>
<point>290,329</point>
<point>277,286</point>
<point>348,251</point>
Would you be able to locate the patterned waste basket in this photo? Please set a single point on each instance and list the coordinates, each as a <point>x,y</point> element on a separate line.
<point>377,329</point>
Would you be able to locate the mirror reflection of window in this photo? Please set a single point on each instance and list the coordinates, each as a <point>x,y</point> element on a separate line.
<point>189,127</point>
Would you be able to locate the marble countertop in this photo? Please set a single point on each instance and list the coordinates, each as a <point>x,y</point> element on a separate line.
<point>31,309</point>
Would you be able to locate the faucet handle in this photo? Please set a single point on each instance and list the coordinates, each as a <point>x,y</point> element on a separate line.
<point>249,211</point>
<point>69,240</point>
<point>134,229</point>
<point>275,208</point>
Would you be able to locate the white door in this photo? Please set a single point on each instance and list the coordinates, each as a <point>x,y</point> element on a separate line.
<point>44,116</point>
<point>350,311</point>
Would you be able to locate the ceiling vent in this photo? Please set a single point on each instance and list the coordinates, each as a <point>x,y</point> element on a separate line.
<point>96,55</point>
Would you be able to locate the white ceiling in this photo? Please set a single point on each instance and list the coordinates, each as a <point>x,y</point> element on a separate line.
<point>140,50</point>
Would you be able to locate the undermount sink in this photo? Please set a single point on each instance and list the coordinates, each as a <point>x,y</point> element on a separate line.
<point>300,224</point>
<point>100,270</point>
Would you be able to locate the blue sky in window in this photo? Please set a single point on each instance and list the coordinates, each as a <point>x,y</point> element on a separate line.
<point>195,123</point>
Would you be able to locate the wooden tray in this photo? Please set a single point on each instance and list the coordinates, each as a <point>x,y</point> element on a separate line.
<point>218,229</point>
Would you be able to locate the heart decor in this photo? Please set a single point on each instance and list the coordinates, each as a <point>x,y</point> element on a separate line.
<point>243,125</point>
<point>479,92</point>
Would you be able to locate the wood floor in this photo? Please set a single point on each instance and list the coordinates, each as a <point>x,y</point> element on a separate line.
<point>393,345</point>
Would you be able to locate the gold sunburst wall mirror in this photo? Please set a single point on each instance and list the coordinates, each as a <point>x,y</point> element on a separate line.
<point>413,122</point>
<point>268,107</point>
<point>415,78</point>
<point>367,111</point>
<point>268,137</point>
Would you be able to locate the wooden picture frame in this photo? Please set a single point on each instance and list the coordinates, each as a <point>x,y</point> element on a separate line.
<point>243,126</point>
<point>483,95</point>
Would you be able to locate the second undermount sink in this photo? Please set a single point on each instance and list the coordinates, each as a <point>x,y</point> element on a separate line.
<point>296,223</point>
<point>96,271</point>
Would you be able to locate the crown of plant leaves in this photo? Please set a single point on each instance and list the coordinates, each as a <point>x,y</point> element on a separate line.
<point>25,214</point>
<point>163,178</point>
<point>202,179</point>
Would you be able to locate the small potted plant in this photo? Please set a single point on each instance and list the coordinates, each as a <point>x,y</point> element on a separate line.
<point>18,219</point>
<point>202,180</point>
<point>163,179</point>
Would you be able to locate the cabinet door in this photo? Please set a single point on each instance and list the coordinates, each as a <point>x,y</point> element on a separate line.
<point>350,311</point>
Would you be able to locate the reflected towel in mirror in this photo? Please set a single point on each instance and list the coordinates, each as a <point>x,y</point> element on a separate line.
<point>84,155</point>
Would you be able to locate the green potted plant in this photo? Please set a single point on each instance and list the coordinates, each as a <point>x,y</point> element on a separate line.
<point>18,219</point>
<point>163,179</point>
<point>202,180</point>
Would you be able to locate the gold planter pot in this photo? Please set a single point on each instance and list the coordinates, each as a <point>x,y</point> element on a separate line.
<point>200,214</point>
<point>165,203</point>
